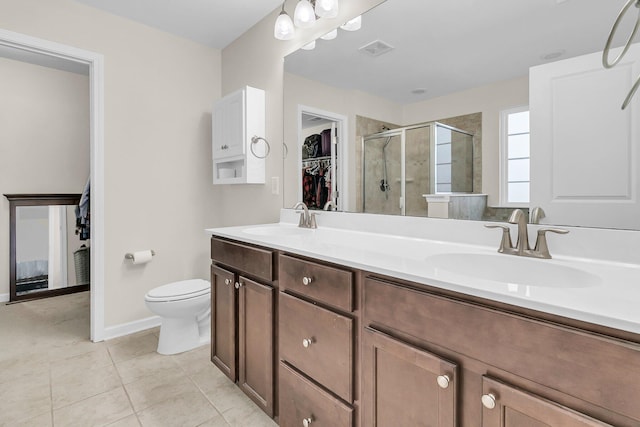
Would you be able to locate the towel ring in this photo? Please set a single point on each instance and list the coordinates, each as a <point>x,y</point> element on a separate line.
<point>607,47</point>
<point>285,150</point>
<point>255,139</point>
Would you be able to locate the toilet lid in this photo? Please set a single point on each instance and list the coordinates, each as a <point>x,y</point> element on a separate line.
<point>180,290</point>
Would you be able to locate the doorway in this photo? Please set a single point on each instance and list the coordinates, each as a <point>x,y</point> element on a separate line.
<point>323,159</point>
<point>22,44</point>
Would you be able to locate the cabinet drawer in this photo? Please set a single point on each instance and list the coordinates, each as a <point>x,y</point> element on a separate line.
<point>564,359</point>
<point>329,285</point>
<point>300,399</point>
<point>251,260</point>
<point>318,342</point>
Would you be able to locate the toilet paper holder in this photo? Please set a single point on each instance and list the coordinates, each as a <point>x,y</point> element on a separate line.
<point>129,255</point>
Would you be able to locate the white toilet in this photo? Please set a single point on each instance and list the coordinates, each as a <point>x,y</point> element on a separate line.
<point>185,309</point>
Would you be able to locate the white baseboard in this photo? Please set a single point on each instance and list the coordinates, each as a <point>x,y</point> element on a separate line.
<point>4,297</point>
<point>131,327</point>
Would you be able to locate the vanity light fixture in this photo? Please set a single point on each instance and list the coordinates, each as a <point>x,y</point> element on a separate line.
<point>284,29</point>
<point>304,16</point>
<point>352,25</point>
<point>327,8</point>
<point>309,46</point>
<point>330,35</point>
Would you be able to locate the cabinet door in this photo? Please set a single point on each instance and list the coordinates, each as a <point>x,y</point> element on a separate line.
<point>406,386</point>
<point>256,342</point>
<point>229,126</point>
<point>507,406</point>
<point>223,321</point>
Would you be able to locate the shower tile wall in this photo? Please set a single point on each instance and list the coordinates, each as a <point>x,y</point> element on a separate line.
<point>417,170</point>
<point>378,201</point>
<point>365,126</point>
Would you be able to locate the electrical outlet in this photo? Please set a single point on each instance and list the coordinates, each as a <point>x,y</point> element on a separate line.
<point>275,185</point>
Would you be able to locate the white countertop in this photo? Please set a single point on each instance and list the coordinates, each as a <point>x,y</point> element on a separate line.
<point>402,247</point>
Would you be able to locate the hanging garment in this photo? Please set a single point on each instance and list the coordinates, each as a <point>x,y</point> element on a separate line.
<point>83,215</point>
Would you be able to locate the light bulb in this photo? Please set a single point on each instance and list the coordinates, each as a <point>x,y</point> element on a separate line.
<point>283,29</point>
<point>304,16</point>
<point>309,46</point>
<point>353,25</point>
<point>327,8</point>
<point>330,35</point>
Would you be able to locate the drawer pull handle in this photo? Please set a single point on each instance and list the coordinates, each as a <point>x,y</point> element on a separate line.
<point>307,280</point>
<point>489,400</point>
<point>443,381</point>
<point>306,343</point>
<point>239,285</point>
<point>307,422</point>
<point>227,281</point>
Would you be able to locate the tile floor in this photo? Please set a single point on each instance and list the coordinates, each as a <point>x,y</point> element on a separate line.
<point>52,375</point>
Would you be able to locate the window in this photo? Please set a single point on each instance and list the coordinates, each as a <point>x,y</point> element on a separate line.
<point>443,160</point>
<point>514,146</point>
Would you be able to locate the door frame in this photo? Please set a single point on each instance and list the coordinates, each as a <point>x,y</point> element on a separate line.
<point>341,152</point>
<point>95,62</point>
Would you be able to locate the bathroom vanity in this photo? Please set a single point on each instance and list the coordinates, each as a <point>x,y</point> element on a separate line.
<point>343,327</point>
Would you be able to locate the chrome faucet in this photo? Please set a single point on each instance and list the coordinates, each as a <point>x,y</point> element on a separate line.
<point>330,205</point>
<point>522,248</point>
<point>522,244</point>
<point>307,219</point>
<point>536,215</point>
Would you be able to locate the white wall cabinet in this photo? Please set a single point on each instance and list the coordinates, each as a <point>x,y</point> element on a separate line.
<point>584,148</point>
<point>237,118</point>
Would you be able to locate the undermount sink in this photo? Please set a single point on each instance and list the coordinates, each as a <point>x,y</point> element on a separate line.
<point>277,230</point>
<point>513,270</point>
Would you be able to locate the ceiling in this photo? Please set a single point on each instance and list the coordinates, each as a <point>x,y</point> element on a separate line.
<point>447,46</point>
<point>215,23</point>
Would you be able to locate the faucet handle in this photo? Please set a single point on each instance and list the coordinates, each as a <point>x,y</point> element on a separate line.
<point>506,242</point>
<point>312,220</point>
<point>541,248</point>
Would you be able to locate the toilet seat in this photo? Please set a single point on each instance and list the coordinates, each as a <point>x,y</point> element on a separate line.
<point>177,291</point>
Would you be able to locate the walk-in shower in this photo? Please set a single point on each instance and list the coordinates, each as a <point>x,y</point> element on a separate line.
<point>401,165</point>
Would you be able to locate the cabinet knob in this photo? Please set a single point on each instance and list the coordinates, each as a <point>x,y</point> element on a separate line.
<point>443,381</point>
<point>239,285</point>
<point>307,280</point>
<point>307,422</point>
<point>227,281</point>
<point>489,400</point>
<point>306,343</point>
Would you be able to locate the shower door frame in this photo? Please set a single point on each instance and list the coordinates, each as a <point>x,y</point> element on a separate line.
<point>433,135</point>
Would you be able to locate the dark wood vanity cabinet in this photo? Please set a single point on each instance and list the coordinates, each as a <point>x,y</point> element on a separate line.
<point>405,385</point>
<point>506,369</point>
<point>317,339</point>
<point>507,406</point>
<point>243,318</point>
<point>326,345</point>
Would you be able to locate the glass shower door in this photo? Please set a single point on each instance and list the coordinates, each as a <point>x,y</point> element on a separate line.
<point>382,167</point>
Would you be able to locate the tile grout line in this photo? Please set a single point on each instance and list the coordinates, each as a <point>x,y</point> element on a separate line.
<point>51,392</point>
<point>133,410</point>
<point>206,397</point>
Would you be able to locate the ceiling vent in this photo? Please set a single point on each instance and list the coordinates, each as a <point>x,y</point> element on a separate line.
<point>376,48</point>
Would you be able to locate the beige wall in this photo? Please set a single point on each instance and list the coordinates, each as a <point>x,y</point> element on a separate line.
<point>44,138</point>
<point>488,100</point>
<point>159,91</point>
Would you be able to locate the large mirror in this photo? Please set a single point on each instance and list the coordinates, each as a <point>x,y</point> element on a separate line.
<point>47,256</point>
<point>419,67</point>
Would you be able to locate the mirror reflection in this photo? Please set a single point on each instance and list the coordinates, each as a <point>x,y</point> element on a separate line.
<point>463,64</point>
<point>48,257</point>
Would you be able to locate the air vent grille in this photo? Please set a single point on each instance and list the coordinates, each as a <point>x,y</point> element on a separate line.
<point>376,48</point>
